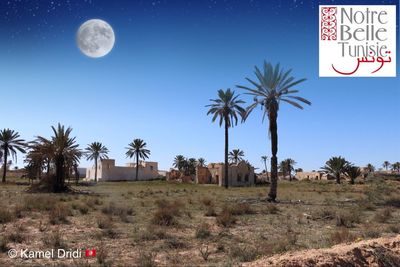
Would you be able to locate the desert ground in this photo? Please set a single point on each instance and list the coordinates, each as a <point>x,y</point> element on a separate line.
<point>161,223</point>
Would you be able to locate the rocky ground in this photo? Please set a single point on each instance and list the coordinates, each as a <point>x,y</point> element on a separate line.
<point>383,252</point>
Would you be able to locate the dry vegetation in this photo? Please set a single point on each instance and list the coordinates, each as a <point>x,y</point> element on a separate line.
<point>160,223</point>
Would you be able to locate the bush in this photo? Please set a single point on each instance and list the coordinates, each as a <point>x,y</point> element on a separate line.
<point>151,234</point>
<point>16,237</point>
<point>393,201</point>
<point>210,212</point>
<point>207,201</point>
<point>167,212</point>
<point>225,218</point>
<point>39,202</point>
<point>104,222</point>
<point>203,231</point>
<point>82,208</point>
<point>241,209</point>
<point>270,209</point>
<point>5,215</point>
<point>348,218</point>
<point>146,259</point>
<point>243,253</point>
<point>4,243</point>
<point>324,214</point>
<point>59,213</point>
<point>54,240</point>
<point>117,210</point>
<point>341,236</point>
<point>383,216</point>
<point>174,243</point>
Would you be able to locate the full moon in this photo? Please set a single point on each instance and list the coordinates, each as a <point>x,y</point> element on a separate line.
<point>95,38</point>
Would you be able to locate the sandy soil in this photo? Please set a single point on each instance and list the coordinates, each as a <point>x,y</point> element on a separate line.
<point>382,252</point>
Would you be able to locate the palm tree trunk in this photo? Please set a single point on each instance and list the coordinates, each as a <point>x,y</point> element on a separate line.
<point>59,181</point>
<point>95,170</point>
<point>274,160</point>
<point>226,152</point>
<point>137,166</point>
<point>338,178</point>
<point>4,166</point>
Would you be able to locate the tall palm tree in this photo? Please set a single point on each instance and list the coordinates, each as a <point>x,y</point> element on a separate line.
<point>273,85</point>
<point>264,160</point>
<point>96,151</point>
<point>226,107</point>
<point>336,166</point>
<point>201,162</point>
<point>386,165</point>
<point>236,156</point>
<point>10,143</point>
<point>62,150</point>
<point>353,172</point>
<point>138,150</point>
<point>179,162</point>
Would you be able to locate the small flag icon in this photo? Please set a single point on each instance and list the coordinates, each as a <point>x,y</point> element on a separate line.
<point>90,253</point>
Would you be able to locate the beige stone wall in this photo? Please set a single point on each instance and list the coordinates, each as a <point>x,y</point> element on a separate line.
<point>238,174</point>
<point>309,175</point>
<point>107,171</point>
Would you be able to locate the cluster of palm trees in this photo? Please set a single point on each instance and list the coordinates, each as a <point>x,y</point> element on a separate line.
<point>339,166</point>
<point>59,155</point>
<point>187,166</point>
<point>394,166</point>
<point>272,86</point>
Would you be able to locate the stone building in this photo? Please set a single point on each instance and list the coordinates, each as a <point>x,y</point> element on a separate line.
<point>107,171</point>
<point>240,174</point>
<point>313,175</point>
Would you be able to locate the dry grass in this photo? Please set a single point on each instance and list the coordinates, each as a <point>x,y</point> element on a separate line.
<point>168,224</point>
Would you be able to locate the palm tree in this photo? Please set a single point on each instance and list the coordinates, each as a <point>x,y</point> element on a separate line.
<point>336,166</point>
<point>236,156</point>
<point>227,108</point>
<point>10,143</point>
<point>264,160</point>
<point>138,150</point>
<point>179,162</point>
<point>290,166</point>
<point>396,166</point>
<point>386,165</point>
<point>273,86</point>
<point>192,162</point>
<point>96,151</point>
<point>353,172</point>
<point>62,150</point>
<point>201,162</point>
<point>370,168</point>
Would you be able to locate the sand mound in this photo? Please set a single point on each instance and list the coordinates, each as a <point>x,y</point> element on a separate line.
<point>382,252</point>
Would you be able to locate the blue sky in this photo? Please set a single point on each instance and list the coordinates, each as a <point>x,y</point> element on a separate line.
<point>169,59</point>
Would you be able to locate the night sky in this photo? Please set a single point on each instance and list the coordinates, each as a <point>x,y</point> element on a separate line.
<point>169,59</point>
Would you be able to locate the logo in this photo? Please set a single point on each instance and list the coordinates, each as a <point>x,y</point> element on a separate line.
<point>90,253</point>
<point>357,41</point>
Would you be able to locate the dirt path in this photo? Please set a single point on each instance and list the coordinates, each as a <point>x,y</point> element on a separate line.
<point>382,252</point>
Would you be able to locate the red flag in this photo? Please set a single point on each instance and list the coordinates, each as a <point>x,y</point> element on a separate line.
<point>90,253</point>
